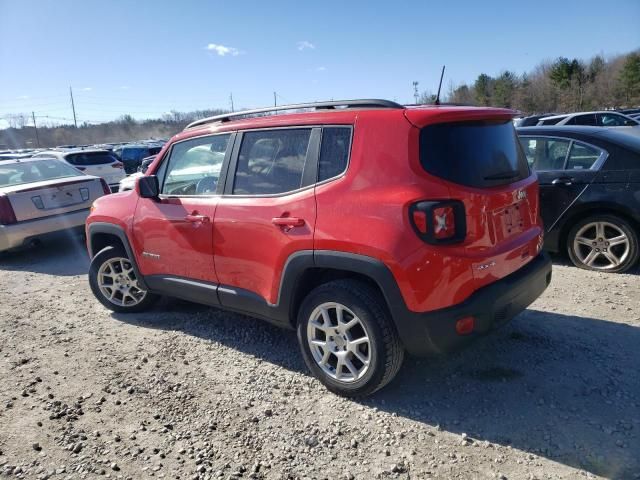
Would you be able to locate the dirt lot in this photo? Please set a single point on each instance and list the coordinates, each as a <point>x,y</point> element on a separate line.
<point>191,392</point>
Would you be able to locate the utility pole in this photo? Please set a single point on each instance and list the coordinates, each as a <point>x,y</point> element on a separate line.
<point>231,98</point>
<point>73,107</point>
<point>33,115</point>
<point>275,102</point>
<point>415,91</point>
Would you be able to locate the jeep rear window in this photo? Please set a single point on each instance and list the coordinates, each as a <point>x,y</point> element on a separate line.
<point>94,158</point>
<point>476,153</point>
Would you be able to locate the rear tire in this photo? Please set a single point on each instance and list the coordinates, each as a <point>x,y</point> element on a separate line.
<point>114,283</point>
<point>604,243</point>
<point>347,338</point>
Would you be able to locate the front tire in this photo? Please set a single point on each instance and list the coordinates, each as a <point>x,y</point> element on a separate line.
<point>114,283</point>
<point>347,338</point>
<point>605,243</point>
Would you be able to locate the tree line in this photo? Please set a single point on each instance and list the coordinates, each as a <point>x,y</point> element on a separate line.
<point>561,85</point>
<point>124,129</point>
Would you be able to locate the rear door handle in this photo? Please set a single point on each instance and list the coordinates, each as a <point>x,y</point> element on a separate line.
<point>287,223</point>
<point>195,218</point>
<point>562,181</point>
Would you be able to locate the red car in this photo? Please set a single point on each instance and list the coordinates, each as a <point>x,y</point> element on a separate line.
<point>370,227</point>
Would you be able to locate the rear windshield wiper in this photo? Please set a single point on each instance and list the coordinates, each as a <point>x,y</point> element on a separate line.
<point>503,176</point>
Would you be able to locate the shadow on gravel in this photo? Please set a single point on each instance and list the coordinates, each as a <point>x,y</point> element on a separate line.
<point>562,387</point>
<point>66,255</point>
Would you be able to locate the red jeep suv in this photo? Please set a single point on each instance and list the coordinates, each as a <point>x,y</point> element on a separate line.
<point>370,227</point>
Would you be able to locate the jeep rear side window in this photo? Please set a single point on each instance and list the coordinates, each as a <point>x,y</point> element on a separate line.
<point>479,154</point>
<point>271,161</point>
<point>334,153</point>
<point>193,166</point>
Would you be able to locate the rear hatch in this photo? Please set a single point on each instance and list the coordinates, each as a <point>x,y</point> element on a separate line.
<point>477,154</point>
<point>54,197</point>
<point>101,164</point>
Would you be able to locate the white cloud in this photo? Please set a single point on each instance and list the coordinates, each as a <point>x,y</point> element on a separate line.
<point>87,89</point>
<point>304,45</point>
<point>321,69</point>
<point>223,50</point>
<point>125,87</point>
<point>23,97</point>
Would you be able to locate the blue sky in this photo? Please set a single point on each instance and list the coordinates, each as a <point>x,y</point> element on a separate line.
<point>147,57</point>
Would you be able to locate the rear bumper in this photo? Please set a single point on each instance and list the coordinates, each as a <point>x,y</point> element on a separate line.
<point>21,233</point>
<point>491,306</point>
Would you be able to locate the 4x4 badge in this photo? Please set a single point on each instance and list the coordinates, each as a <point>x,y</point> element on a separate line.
<point>522,194</point>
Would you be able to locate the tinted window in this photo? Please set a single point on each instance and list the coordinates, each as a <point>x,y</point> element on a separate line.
<point>477,154</point>
<point>583,120</point>
<point>334,152</point>
<point>271,161</point>
<point>35,171</point>
<point>614,120</point>
<point>545,153</point>
<point>133,153</point>
<point>193,166</point>
<point>582,157</point>
<point>551,121</point>
<point>90,158</point>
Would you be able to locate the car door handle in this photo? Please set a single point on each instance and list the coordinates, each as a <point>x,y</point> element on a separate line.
<point>562,181</point>
<point>195,218</point>
<point>288,222</point>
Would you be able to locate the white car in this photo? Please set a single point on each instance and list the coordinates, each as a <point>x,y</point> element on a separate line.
<point>101,163</point>
<point>43,196</point>
<point>604,118</point>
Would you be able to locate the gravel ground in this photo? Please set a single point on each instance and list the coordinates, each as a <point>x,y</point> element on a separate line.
<point>187,391</point>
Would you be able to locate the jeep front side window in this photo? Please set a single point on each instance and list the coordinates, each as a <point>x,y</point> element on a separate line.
<point>194,166</point>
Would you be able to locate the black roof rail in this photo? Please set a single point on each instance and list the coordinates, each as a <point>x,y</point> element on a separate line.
<point>367,103</point>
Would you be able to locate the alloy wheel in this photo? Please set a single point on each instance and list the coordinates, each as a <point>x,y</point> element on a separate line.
<point>601,245</point>
<point>339,342</point>
<point>118,283</point>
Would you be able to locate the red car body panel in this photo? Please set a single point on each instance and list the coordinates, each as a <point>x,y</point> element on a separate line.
<point>365,211</point>
<point>250,250</point>
<point>185,246</point>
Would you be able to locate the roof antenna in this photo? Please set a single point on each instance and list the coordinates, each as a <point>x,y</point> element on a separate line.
<point>437,102</point>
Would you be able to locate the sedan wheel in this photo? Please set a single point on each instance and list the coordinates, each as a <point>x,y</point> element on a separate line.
<point>605,243</point>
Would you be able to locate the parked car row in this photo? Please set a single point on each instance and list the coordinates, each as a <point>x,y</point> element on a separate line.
<point>605,118</point>
<point>111,161</point>
<point>448,208</point>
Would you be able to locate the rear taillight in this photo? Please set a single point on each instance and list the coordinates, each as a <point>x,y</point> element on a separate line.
<point>105,187</point>
<point>439,222</point>
<point>7,215</point>
<point>117,165</point>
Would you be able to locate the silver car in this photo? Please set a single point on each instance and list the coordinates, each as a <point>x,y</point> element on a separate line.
<point>43,196</point>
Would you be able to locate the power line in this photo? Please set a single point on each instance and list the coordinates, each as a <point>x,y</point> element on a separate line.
<point>33,115</point>
<point>73,107</point>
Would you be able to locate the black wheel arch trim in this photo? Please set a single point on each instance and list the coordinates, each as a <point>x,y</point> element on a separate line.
<point>117,231</point>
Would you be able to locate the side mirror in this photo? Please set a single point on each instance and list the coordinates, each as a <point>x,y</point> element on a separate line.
<point>148,186</point>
